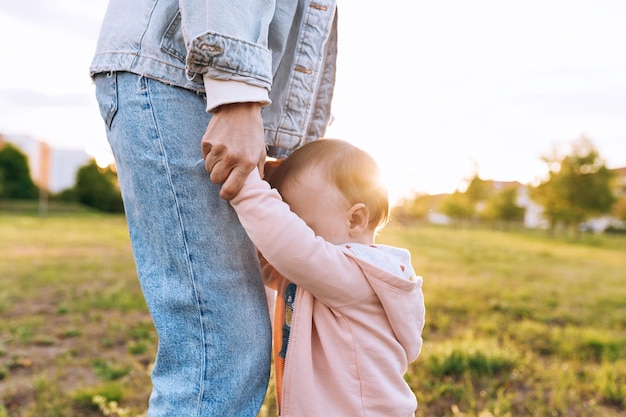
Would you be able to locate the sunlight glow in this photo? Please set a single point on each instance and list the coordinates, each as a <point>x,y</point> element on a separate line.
<point>103,156</point>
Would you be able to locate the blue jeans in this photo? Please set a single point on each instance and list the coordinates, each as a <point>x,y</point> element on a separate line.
<point>197,268</point>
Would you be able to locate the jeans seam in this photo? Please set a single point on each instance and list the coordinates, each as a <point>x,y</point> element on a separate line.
<point>146,83</point>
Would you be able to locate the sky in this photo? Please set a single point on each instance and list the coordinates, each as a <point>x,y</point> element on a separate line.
<point>436,91</point>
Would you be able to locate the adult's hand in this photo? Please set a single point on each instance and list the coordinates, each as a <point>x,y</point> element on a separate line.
<point>233,145</point>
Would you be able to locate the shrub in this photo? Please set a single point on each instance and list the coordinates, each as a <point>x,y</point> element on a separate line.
<point>97,187</point>
<point>15,180</point>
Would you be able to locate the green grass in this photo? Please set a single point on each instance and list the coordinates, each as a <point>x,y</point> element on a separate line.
<point>71,311</point>
<point>518,324</point>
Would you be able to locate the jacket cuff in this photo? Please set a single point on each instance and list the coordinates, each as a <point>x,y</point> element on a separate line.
<point>229,57</point>
<point>220,92</point>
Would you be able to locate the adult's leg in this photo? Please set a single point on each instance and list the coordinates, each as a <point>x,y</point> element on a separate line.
<point>198,270</point>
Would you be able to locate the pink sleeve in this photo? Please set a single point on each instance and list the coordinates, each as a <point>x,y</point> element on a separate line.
<point>291,247</point>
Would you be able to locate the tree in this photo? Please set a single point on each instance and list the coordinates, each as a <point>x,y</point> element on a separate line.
<point>503,207</point>
<point>15,179</point>
<point>97,187</point>
<point>578,186</point>
<point>478,190</point>
<point>457,206</point>
<point>415,207</point>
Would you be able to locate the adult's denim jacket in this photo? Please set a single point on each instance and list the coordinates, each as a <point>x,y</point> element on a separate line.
<point>285,49</point>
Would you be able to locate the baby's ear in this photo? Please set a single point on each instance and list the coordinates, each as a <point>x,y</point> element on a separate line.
<point>359,219</point>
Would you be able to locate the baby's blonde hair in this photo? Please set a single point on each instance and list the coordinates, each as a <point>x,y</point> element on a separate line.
<point>353,171</point>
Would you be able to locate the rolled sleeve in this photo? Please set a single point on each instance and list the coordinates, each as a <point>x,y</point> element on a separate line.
<point>224,58</point>
<point>219,92</point>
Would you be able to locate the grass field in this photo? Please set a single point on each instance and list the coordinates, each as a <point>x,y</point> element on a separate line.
<point>518,324</point>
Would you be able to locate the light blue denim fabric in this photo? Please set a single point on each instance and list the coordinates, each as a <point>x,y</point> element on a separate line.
<point>286,46</point>
<point>198,270</point>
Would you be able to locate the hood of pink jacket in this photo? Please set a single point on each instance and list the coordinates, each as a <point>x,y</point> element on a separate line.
<point>391,276</point>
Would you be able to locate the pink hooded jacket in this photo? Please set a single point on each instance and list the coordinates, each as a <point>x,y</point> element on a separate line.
<point>358,317</point>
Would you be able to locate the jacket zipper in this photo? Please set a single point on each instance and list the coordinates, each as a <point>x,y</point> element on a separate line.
<point>288,353</point>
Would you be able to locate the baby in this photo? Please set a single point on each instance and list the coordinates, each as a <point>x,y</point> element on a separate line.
<point>349,313</point>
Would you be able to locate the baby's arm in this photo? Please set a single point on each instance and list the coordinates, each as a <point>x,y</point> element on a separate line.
<point>290,246</point>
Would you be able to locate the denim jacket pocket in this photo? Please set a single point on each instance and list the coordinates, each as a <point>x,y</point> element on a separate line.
<point>173,42</point>
<point>106,95</point>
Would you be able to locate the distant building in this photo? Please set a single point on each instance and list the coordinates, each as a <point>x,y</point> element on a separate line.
<point>534,219</point>
<point>50,168</point>
<point>533,212</point>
